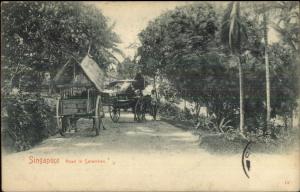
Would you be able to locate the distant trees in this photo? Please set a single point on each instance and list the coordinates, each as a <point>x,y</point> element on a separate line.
<point>43,36</point>
<point>127,69</point>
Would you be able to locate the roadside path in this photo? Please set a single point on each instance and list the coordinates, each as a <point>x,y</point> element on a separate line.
<point>153,155</point>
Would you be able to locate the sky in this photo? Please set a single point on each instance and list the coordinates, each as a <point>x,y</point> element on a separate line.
<point>132,17</point>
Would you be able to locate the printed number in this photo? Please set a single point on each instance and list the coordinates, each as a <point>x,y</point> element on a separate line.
<point>286,182</point>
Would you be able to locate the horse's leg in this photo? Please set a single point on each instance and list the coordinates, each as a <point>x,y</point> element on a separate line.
<point>154,111</point>
<point>144,112</point>
<point>134,113</point>
<point>101,123</point>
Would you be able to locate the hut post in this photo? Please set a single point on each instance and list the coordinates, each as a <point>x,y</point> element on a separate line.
<point>88,100</point>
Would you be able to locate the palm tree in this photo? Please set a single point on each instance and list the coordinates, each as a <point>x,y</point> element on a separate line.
<point>264,11</point>
<point>232,34</point>
<point>265,28</point>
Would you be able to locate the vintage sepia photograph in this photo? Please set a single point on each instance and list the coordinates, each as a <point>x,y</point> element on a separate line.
<point>150,96</point>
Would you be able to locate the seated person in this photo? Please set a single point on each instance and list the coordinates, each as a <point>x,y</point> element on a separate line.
<point>130,91</point>
<point>140,82</point>
<point>153,97</point>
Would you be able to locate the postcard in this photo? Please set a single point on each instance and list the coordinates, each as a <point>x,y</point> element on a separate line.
<point>150,96</point>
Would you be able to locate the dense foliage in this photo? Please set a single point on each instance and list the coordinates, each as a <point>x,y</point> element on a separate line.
<point>127,69</point>
<point>42,36</point>
<point>185,30</point>
<point>184,46</point>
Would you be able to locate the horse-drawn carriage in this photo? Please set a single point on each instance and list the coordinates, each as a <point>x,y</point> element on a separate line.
<point>80,95</point>
<point>127,94</point>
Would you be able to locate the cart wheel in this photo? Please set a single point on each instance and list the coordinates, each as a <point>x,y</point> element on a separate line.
<point>114,113</point>
<point>62,123</point>
<point>140,110</point>
<point>99,114</point>
<point>59,125</point>
<point>97,126</point>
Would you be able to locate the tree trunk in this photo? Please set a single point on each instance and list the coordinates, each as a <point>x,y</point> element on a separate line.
<point>239,39</point>
<point>292,119</point>
<point>241,97</point>
<point>10,88</point>
<point>267,72</point>
<point>185,101</point>
<point>154,87</point>
<point>197,110</point>
<point>154,82</point>
<point>285,120</point>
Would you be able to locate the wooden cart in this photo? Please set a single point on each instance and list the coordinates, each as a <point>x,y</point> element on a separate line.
<point>80,96</point>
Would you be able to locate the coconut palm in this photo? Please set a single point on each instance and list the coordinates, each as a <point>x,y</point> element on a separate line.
<point>268,98</point>
<point>263,9</point>
<point>232,34</point>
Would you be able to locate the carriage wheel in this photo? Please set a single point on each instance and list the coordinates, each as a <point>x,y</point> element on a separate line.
<point>97,126</point>
<point>140,110</point>
<point>98,115</point>
<point>114,113</point>
<point>61,121</point>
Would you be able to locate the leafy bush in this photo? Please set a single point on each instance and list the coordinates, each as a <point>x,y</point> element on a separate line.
<point>224,136</point>
<point>29,120</point>
<point>204,123</point>
<point>232,142</point>
<point>169,110</point>
<point>187,114</point>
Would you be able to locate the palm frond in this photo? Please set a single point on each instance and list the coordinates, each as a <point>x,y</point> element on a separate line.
<point>119,51</point>
<point>107,54</point>
<point>233,17</point>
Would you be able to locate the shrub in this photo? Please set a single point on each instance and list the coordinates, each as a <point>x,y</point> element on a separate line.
<point>187,114</point>
<point>169,110</point>
<point>29,120</point>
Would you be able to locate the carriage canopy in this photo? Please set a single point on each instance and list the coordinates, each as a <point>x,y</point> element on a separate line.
<point>126,86</point>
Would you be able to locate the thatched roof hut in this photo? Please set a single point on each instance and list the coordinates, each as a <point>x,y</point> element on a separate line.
<point>84,74</point>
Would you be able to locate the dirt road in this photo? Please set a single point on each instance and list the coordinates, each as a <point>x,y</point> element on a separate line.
<point>153,155</point>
